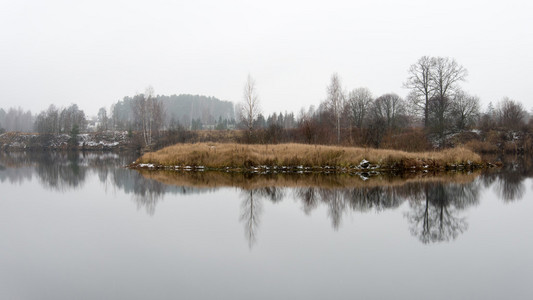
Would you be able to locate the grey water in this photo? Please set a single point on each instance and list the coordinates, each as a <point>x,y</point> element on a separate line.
<point>81,226</point>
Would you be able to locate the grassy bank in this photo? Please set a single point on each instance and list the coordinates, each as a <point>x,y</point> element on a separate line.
<point>304,157</point>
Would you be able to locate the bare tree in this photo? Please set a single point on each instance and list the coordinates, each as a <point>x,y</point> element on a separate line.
<point>358,105</point>
<point>148,114</point>
<point>433,79</point>
<point>48,121</point>
<point>511,114</point>
<point>389,107</point>
<point>103,119</point>
<point>465,110</point>
<point>441,118</point>
<point>72,117</point>
<point>250,106</point>
<point>335,102</point>
<point>420,83</point>
<point>445,76</point>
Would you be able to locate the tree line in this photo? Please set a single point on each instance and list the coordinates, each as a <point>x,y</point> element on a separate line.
<point>436,113</point>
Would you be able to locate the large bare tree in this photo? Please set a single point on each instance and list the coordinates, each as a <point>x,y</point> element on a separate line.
<point>250,106</point>
<point>433,79</point>
<point>420,84</point>
<point>335,102</point>
<point>445,77</point>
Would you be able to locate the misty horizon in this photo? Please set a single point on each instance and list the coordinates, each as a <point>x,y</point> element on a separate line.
<point>95,54</point>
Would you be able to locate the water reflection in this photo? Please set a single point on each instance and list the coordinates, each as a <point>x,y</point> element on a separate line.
<point>509,180</point>
<point>435,205</point>
<point>68,171</point>
<point>437,216</point>
<point>251,209</point>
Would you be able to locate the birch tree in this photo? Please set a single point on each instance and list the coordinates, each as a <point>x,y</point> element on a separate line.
<point>335,102</point>
<point>250,106</point>
<point>148,114</point>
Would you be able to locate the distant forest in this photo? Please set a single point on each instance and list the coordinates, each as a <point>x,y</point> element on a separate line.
<point>187,111</point>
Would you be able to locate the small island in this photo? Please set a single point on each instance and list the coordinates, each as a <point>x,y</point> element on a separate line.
<point>301,158</point>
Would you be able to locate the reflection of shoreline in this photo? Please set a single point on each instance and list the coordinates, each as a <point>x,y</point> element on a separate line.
<point>435,208</point>
<point>436,201</point>
<point>217,179</point>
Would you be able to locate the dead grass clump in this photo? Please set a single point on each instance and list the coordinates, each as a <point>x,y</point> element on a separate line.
<point>482,146</point>
<point>414,139</point>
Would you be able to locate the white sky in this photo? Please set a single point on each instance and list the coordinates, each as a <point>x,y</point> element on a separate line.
<point>94,53</point>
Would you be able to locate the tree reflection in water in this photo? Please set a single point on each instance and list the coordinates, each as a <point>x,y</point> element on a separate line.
<point>251,209</point>
<point>436,217</point>
<point>147,193</point>
<point>434,212</point>
<point>509,180</point>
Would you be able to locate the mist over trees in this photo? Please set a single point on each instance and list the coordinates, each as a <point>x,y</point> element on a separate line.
<point>16,119</point>
<point>56,121</point>
<point>178,110</point>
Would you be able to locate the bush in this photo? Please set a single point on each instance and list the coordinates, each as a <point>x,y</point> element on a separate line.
<point>413,140</point>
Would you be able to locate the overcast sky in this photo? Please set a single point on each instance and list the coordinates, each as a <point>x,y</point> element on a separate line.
<point>94,53</point>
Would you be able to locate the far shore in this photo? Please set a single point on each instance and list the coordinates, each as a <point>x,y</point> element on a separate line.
<point>299,158</point>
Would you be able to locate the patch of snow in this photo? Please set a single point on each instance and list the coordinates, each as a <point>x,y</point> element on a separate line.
<point>150,166</point>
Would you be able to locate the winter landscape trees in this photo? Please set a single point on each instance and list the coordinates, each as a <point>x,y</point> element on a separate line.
<point>249,108</point>
<point>436,113</point>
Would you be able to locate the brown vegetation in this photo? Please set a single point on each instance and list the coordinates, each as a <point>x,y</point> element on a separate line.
<point>210,179</point>
<point>241,156</point>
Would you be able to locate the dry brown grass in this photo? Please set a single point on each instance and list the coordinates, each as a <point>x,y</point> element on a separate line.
<point>215,179</point>
<point>483,146</point>
<point>216,155</point>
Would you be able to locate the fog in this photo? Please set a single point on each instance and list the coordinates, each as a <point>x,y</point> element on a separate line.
<point>97,52</point>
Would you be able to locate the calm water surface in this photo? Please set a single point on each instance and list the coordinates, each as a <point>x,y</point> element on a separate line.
<point>82,227</point>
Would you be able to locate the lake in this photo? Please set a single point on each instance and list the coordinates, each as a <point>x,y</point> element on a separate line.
<point>81,226</point>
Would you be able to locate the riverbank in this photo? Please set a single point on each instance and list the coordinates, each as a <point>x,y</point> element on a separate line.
<point>304,158</point>
<point>96,141</point>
